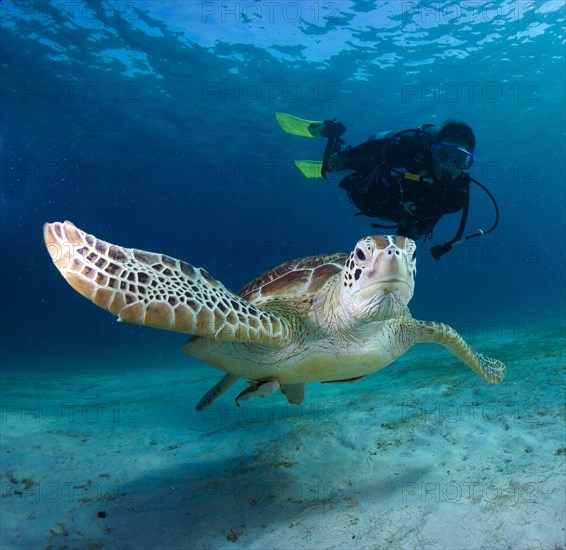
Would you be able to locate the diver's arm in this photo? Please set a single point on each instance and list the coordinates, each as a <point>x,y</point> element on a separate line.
<point>459,195</point>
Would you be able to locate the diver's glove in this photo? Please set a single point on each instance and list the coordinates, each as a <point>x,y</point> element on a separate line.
<point>439,250</point>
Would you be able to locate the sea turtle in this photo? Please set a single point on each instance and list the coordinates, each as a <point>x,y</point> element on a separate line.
<point>328,318</point>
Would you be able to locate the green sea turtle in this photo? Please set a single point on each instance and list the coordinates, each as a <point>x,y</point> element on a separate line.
<point>328,318</point>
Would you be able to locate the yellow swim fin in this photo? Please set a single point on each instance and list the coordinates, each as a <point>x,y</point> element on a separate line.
<point>300,127</point>
<point>310,168</point>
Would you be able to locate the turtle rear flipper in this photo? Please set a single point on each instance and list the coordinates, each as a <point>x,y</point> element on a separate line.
<point>295,393</point>
<point>258,389</point>
<point>490,370</point>
<point>227,381</point>
<point>158,291</point>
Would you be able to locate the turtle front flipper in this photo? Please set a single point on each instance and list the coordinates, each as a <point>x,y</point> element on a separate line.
<point>491,370</point>
<point>158,291</point>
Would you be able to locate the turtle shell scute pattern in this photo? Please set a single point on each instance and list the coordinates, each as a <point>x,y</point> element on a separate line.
<point>294,279</point>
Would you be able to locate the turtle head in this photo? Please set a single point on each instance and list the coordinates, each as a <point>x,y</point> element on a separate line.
<point>379,277</point>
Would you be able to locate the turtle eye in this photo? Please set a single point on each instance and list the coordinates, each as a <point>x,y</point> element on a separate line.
<point>360,255</point>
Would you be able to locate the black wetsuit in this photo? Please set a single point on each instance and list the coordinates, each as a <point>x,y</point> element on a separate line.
<point>394,181</point>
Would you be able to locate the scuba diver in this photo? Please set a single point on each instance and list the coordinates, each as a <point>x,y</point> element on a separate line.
<point>411,178</point>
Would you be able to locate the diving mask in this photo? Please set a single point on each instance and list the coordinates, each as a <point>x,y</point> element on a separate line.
<point>452,156</point>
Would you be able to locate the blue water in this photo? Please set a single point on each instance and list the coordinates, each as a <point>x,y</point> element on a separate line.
<point>151,124</point>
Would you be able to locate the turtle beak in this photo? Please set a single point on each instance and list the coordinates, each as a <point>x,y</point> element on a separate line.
<point>390,265</point>
<point>388,273</point>
<point>380,276</point>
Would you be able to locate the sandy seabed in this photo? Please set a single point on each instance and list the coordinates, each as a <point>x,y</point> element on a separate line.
<point>423,454</point>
